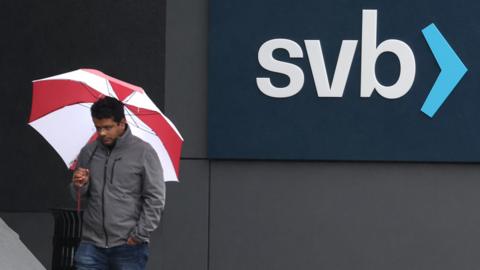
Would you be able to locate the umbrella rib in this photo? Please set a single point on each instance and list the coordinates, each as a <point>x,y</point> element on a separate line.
<point>154,113</point>
<point>135,122</point>
<point>129,97</point>
<point>131,117</point>
<point>147,113</point>
<point>90,90</point>
<point>83,105</point>
<point>147,131</point>
<point>109,87</point>
<point>138,126</point>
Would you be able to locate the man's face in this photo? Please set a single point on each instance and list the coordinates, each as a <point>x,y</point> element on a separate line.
<point>108,130</point>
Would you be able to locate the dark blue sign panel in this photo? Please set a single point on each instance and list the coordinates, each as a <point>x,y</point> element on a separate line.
<point>344,80</point>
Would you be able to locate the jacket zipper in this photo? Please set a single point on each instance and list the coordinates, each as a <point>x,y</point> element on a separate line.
<point>103,197</point>
<point>113,169</point>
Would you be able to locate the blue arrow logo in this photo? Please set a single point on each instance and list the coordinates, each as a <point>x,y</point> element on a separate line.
<point>452,70</point>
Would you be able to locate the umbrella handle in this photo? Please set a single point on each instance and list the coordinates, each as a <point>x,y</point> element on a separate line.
<point>78,200</point>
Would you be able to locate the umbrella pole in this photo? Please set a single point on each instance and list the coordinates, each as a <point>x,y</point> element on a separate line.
<point>78,200</point>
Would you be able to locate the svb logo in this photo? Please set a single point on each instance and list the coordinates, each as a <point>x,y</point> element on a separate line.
<point>452,67</point>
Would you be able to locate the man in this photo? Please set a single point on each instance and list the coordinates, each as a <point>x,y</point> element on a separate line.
<point>121,180</point>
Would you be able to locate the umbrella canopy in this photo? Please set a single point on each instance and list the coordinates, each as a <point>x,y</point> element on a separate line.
<point>61,114</point>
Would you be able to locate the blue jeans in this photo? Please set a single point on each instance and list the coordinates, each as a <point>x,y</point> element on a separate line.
<point>124,257</point>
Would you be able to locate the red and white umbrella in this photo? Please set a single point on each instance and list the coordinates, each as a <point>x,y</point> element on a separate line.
<point>61,114</point>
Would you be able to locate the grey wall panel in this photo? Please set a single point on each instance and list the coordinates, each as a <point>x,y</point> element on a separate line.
<point>279,215</point>
<point>181,242</point>
<point>186,73</point>
<point>35,231</point>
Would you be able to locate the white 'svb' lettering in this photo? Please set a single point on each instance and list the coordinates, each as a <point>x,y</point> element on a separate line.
<point>370,52</point>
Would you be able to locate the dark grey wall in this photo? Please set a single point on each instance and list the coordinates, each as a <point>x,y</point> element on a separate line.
<point>316,215</point>
<point>278,215</point>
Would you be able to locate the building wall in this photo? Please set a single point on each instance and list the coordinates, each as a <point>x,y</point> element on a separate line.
<point>283,215</point>
<point>316,215</point>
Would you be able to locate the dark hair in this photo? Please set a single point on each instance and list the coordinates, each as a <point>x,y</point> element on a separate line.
<point>108,107</point>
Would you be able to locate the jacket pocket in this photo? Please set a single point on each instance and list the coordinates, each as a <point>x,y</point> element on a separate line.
<point>112,174</point>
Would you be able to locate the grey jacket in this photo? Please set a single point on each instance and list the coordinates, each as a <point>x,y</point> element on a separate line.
<point>126,192</point>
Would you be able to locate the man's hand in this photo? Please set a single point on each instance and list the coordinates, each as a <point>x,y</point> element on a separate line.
<point>132,241</point>
<point>81,177</point>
